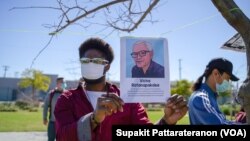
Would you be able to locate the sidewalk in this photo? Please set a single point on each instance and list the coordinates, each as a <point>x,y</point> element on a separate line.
<point>23,136</point>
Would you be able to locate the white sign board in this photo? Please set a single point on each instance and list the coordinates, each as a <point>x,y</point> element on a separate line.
<point>144,70</point>
<point>235,43</point>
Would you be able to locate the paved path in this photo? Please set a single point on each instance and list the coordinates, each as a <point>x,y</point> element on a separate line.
<point>23,136</point>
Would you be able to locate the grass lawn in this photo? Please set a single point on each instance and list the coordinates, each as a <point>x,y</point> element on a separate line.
<point>154,116</point>
<point>21,121</point>
<point>32,121</point>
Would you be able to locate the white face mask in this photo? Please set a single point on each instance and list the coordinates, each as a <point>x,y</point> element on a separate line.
<point>92,71</point>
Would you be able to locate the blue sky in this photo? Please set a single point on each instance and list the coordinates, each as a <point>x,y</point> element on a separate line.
<point>195,31</point>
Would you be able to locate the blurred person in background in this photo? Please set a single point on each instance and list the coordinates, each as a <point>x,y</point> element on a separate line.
<point>49,107</point>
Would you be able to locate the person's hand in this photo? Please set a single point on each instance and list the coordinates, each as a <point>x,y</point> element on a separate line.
<point>107,105</point>
<point>45,121</point>
<point>175,109</point>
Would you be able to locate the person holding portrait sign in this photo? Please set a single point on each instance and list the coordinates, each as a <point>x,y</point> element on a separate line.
<point>89,112</point>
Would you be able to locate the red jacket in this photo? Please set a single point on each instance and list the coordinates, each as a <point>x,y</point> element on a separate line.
<point>73,104</point>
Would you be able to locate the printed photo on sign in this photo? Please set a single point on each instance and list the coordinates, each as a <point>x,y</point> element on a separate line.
<point>144,69</point>
<point>145,59</point>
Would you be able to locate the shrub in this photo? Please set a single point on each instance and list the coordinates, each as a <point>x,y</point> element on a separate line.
<point>154,109</point>
<point>225,109</point>
<point>7,107</point>
<point>33,109</point>
<point>23,105</point>
<point>26,105</point>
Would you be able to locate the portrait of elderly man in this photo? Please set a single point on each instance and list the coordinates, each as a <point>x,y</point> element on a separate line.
<point>145,67</point>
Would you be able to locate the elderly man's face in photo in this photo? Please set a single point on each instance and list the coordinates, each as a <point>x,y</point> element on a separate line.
<point>141,55</point>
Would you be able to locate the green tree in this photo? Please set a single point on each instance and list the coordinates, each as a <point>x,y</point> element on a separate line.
<point>182,87</point>
<point>34,79</point>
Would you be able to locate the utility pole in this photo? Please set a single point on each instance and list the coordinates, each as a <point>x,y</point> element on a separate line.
<point>180,69</point>
<point>5,68</point>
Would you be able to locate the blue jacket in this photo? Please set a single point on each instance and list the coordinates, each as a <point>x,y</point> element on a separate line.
<point>203,108</point>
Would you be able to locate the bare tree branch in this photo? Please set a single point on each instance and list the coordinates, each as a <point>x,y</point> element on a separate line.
<point>121,15</point>
<point>87,13</point>
<point>40,52</point>
<point>35,7</point>
<point>136,24</point>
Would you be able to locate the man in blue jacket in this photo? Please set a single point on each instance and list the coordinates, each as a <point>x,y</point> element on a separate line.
<point>203,107</point>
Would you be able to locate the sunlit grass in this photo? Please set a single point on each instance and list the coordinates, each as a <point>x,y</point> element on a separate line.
<point>21,121</point>
<point>32,121</point>
<point>154,116</point>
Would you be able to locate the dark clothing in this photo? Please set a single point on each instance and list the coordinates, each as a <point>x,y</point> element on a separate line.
<point>51,131</point>
<point>155,70</point>
<point>73,105</point>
